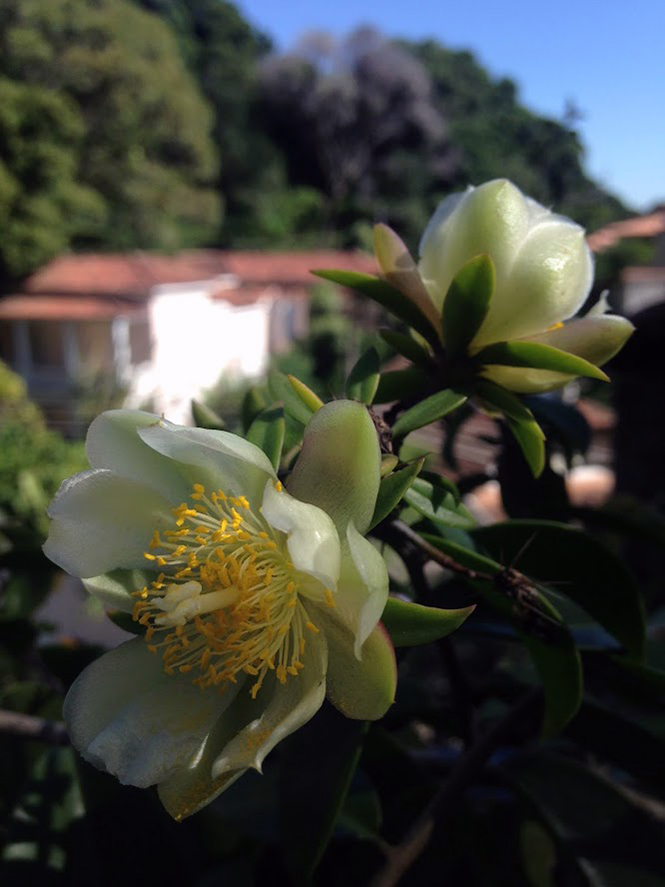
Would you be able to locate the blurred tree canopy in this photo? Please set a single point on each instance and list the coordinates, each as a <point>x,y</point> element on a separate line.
<point>163,124</point>
<point>121,126</point>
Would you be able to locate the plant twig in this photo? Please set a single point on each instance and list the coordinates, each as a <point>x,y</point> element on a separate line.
<point>402,856</point>
<point>23,726</point>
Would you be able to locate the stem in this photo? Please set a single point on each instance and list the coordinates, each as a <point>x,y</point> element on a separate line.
<point>30,727</point>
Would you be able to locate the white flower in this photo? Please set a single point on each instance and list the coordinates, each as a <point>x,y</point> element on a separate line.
<point>257,602</point>
<point>543,275</point>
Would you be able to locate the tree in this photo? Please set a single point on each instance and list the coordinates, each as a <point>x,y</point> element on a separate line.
<point>144,147</point>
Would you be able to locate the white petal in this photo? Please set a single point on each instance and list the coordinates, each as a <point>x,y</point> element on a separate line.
<point>364,585</point>
<point>547,283</point>
<point>286,707</point>
<point>365,688</point>
<point>493,218</point>
<point>101,521</point>
<point>115,589</point>
<point>595,337</point>
<point>213,458</point>
<point>113,442</point>
<point>126,716</point>
<point>312,539</point>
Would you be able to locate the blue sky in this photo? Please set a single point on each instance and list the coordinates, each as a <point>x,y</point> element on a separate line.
<point>605,57</point>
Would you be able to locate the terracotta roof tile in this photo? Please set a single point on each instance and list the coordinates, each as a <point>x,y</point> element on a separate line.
<point>642,226</point>
<point>56,307</point>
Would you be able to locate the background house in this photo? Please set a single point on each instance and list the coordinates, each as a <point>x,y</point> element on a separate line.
<point>161,328</point>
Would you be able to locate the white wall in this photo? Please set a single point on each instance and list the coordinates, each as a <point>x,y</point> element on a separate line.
<point>196,339</point>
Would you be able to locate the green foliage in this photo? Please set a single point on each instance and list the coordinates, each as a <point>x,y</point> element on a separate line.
<point>33,459</point>
<point>114,110</point>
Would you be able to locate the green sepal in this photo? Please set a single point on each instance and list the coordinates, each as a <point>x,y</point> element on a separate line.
<point>125,621</point>
<point>392,489</point>
<point>400,384</point>
<point>535,355</point>
<point>311,400</point>
<point>438,504</point>
<point>386,295</point>
<point>267,433</point>
<point>429,410</point>
<point>204,417</point>
<point>364,378</point>
<point>467,303</point>
<point>407,347</point>
<point>410,624</point>
<point>253,403</point>
<point>531,440</point>
<point>281,389</point>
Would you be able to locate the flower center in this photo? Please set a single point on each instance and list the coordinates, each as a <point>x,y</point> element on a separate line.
<point>228,600</point>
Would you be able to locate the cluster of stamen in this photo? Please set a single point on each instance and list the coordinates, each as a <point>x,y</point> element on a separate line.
<point>227,600</point>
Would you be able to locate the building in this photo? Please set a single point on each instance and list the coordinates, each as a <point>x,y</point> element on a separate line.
<point>162,328</point>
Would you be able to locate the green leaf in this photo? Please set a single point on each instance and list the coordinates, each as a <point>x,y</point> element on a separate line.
<point>504,401</point>
<point>531,440</point>
<point>556,658</point>
<point>401,384</point>
<point>538,356</point>
<point>392,489</point>
<point>311,400</point>
<point>364,378</point>
<point>429,410</point>
<point>408,347</point>
<point>386,295</point>
<point>267,433</point>
<point>409,624</point>
<point>317,762</point>
<point>580,567</point>
<point>252,404</point>
<point>438,504</point>
<point>467,303</point>
<point>204,417</point>
<point>281,389</point>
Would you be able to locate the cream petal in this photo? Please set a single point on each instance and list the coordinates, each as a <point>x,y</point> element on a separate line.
<point>399,269</point>
<point>312,539</point>
<point>365,688</point>
<point>595,337</point>
<point>340,464</point>
<point>101,521</point>
<point>547,283</point>
<point>126,716</point>
<point>113,442</point>
<point>493,218</point>
<point>363,588</point>
<point>213,458</point>
<point>114,589</point>
<point>285,708</point>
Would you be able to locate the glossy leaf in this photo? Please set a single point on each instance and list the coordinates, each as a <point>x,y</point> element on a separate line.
<point>407,347</point>
<point>386,295</point>
<point>531,440</point>
<point>281,389</point>
<point>204,417</point>
<point>504,401</point>
<point>311,400</point>
<point>467,303</point>
<point>401,384</point>
<point>580,567</point>
<point>252,404</point>
<point>409,624</point>
<point>537,356</point>
<point>392,489</point>
<point>364,378</point>
<point>429,410</point>
<point>438,504</point>
<point>267,432</point>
